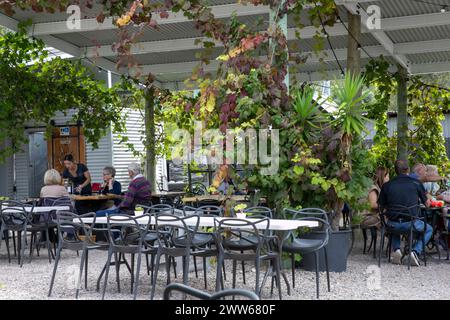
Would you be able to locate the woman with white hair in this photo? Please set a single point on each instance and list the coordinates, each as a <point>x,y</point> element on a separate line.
<point>53,187</point>
<point>139,192</point>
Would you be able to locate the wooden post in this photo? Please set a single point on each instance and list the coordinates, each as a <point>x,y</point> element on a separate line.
<point>354,38</point>
<point>150,160</point>
<point>283,25</point>
<point>402,114</point>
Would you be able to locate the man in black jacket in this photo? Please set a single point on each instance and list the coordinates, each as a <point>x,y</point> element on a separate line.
<point>404,191</point>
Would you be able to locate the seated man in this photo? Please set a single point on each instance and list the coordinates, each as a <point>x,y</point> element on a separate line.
<point>405,191</point>
<point>139,192</point>
<point>420,173</point>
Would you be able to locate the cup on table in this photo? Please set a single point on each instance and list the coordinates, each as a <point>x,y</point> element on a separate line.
<point>241,215</point>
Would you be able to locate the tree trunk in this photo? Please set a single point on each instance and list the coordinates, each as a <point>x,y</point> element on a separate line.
<point>150,160</point>
<point>353,40</point>
<point>402,114</point>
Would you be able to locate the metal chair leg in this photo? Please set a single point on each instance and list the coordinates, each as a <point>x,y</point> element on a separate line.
<point>168,258</point>
<point>257,266</point>
<point>108,263</point>
<point>293,269</point>
<point>326,266</point>
<point>86,264</point>
<point>83,256</point>
<point>195,267</point>
<point>58,255</point>
<point>138,269</point>
<point>243,268</point>
<point>132,273</point>
<point>364,233</point>
<point>381,247</point>
<point>204,273</point>
<point>316,253</point>
<point>117,267</point>
<point>155,274</point>
<point>374,237</point>
<point>234,274</point>
<point>278,272</point>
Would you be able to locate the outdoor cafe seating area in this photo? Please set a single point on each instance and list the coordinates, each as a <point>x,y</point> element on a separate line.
<point>225,149</point>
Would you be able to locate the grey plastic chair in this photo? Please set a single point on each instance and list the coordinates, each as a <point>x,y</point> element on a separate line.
<point>206,296</point>
<point>234,235</point>
<point>175,239</point>
<point>407,214</point>
<point>75,235</point>
<point>299,244</point>
<point>205,239</point>
<point>126,236</point>
<point>15,218</point>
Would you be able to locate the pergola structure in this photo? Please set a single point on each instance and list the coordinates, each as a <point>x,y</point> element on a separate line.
<point>414,34</point>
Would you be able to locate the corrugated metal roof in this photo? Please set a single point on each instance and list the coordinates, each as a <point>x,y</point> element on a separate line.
<point>429,57</point>
<point>420,34</point>
<point>396,8</point>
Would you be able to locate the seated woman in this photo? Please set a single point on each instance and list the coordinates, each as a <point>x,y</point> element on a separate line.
<point>371,218</point>
<point>139,192</point>
<point>53,187</point>
<point>432,188</point>
<point>110,185</point>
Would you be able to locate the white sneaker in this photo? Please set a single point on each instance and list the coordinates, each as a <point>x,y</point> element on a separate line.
<point>396,257</point>
<point>414,259</point>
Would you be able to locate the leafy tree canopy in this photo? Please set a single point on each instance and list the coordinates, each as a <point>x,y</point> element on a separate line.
<point>33,88</point>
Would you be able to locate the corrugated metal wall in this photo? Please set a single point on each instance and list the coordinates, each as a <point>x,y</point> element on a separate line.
<point>97,159</point>
<point>122,157</point>
<point>22,173</point>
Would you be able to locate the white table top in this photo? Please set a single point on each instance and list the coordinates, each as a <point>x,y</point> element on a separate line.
<point>274,224</point>
<point>41,209</point>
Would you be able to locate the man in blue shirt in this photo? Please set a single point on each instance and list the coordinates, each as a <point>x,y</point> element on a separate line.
<point>408,192</point>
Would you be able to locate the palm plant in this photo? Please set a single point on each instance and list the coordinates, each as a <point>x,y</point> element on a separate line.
<point>350,121</point>
<point>308,115</point>
<point>349,118</point>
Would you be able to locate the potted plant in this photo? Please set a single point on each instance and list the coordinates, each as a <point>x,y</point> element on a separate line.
<point>353,169</point>
<point>239,210</point>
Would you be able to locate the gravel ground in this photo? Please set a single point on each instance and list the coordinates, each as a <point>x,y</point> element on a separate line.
<point>362,280</point>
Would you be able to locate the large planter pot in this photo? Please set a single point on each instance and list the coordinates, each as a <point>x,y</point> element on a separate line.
<point>338,248</point>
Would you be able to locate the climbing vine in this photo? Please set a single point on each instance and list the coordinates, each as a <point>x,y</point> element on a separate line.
<point>426,104</point>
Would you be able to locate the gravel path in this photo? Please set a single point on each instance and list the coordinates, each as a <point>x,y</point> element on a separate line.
<point>360,281</point>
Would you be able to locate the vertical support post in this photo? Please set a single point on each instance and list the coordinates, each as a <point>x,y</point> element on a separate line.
<point>354,38</point>
<point>283,25</point>
<point>402,115</point>
<point>150,159</point>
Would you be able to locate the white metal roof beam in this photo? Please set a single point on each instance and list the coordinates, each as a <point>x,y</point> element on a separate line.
<point>221,11</point>
<point>381,36</point>
<point>186,67</point>
<point>435,67</point>
<point>188,44</point>
<point>8,22</point>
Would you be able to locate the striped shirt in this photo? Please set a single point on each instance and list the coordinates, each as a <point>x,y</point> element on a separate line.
<point>139,192</point>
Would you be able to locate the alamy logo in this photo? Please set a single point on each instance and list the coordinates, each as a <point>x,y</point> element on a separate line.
<point>374,17</point>
<point>373,281</point>
<point>74,20</point>
<point>213,147</point>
